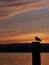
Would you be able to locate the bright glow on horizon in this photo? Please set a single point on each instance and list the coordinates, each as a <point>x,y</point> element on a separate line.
<point>25,38</point>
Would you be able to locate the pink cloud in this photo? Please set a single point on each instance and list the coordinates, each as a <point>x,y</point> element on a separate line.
<point>10,9</point>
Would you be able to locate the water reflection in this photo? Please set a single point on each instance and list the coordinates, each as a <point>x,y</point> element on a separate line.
<point>15,58</point>
<point>21,58</point>
<point>44,58</point>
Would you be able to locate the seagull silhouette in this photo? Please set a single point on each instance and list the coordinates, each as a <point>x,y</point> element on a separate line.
<point>38,39</point>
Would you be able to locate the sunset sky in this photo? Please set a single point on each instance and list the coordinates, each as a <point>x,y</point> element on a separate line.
<point>22,20</point>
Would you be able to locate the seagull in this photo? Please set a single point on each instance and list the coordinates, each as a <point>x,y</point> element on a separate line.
<point>38,39</point>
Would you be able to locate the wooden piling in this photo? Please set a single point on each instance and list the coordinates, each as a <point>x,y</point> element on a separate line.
<point>36,53</point>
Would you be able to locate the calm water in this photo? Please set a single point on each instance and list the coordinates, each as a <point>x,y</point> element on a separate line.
<point>15,58</point>
<point>44,58</point>
<point>21,58</point>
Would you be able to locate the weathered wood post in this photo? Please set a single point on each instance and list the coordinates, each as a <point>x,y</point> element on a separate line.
<point>36,53</point>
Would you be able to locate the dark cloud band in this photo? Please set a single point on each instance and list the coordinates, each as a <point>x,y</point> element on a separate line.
<point>15,2</point>
<point>9,8</point>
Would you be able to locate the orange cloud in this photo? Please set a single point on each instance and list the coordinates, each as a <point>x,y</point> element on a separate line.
<point>8,36</point>
<point>25,38</point>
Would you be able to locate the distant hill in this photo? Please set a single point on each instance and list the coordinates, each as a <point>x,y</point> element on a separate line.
<point>15,47</point>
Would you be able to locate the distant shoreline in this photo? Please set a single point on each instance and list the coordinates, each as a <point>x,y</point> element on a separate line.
<point>15,47</point>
